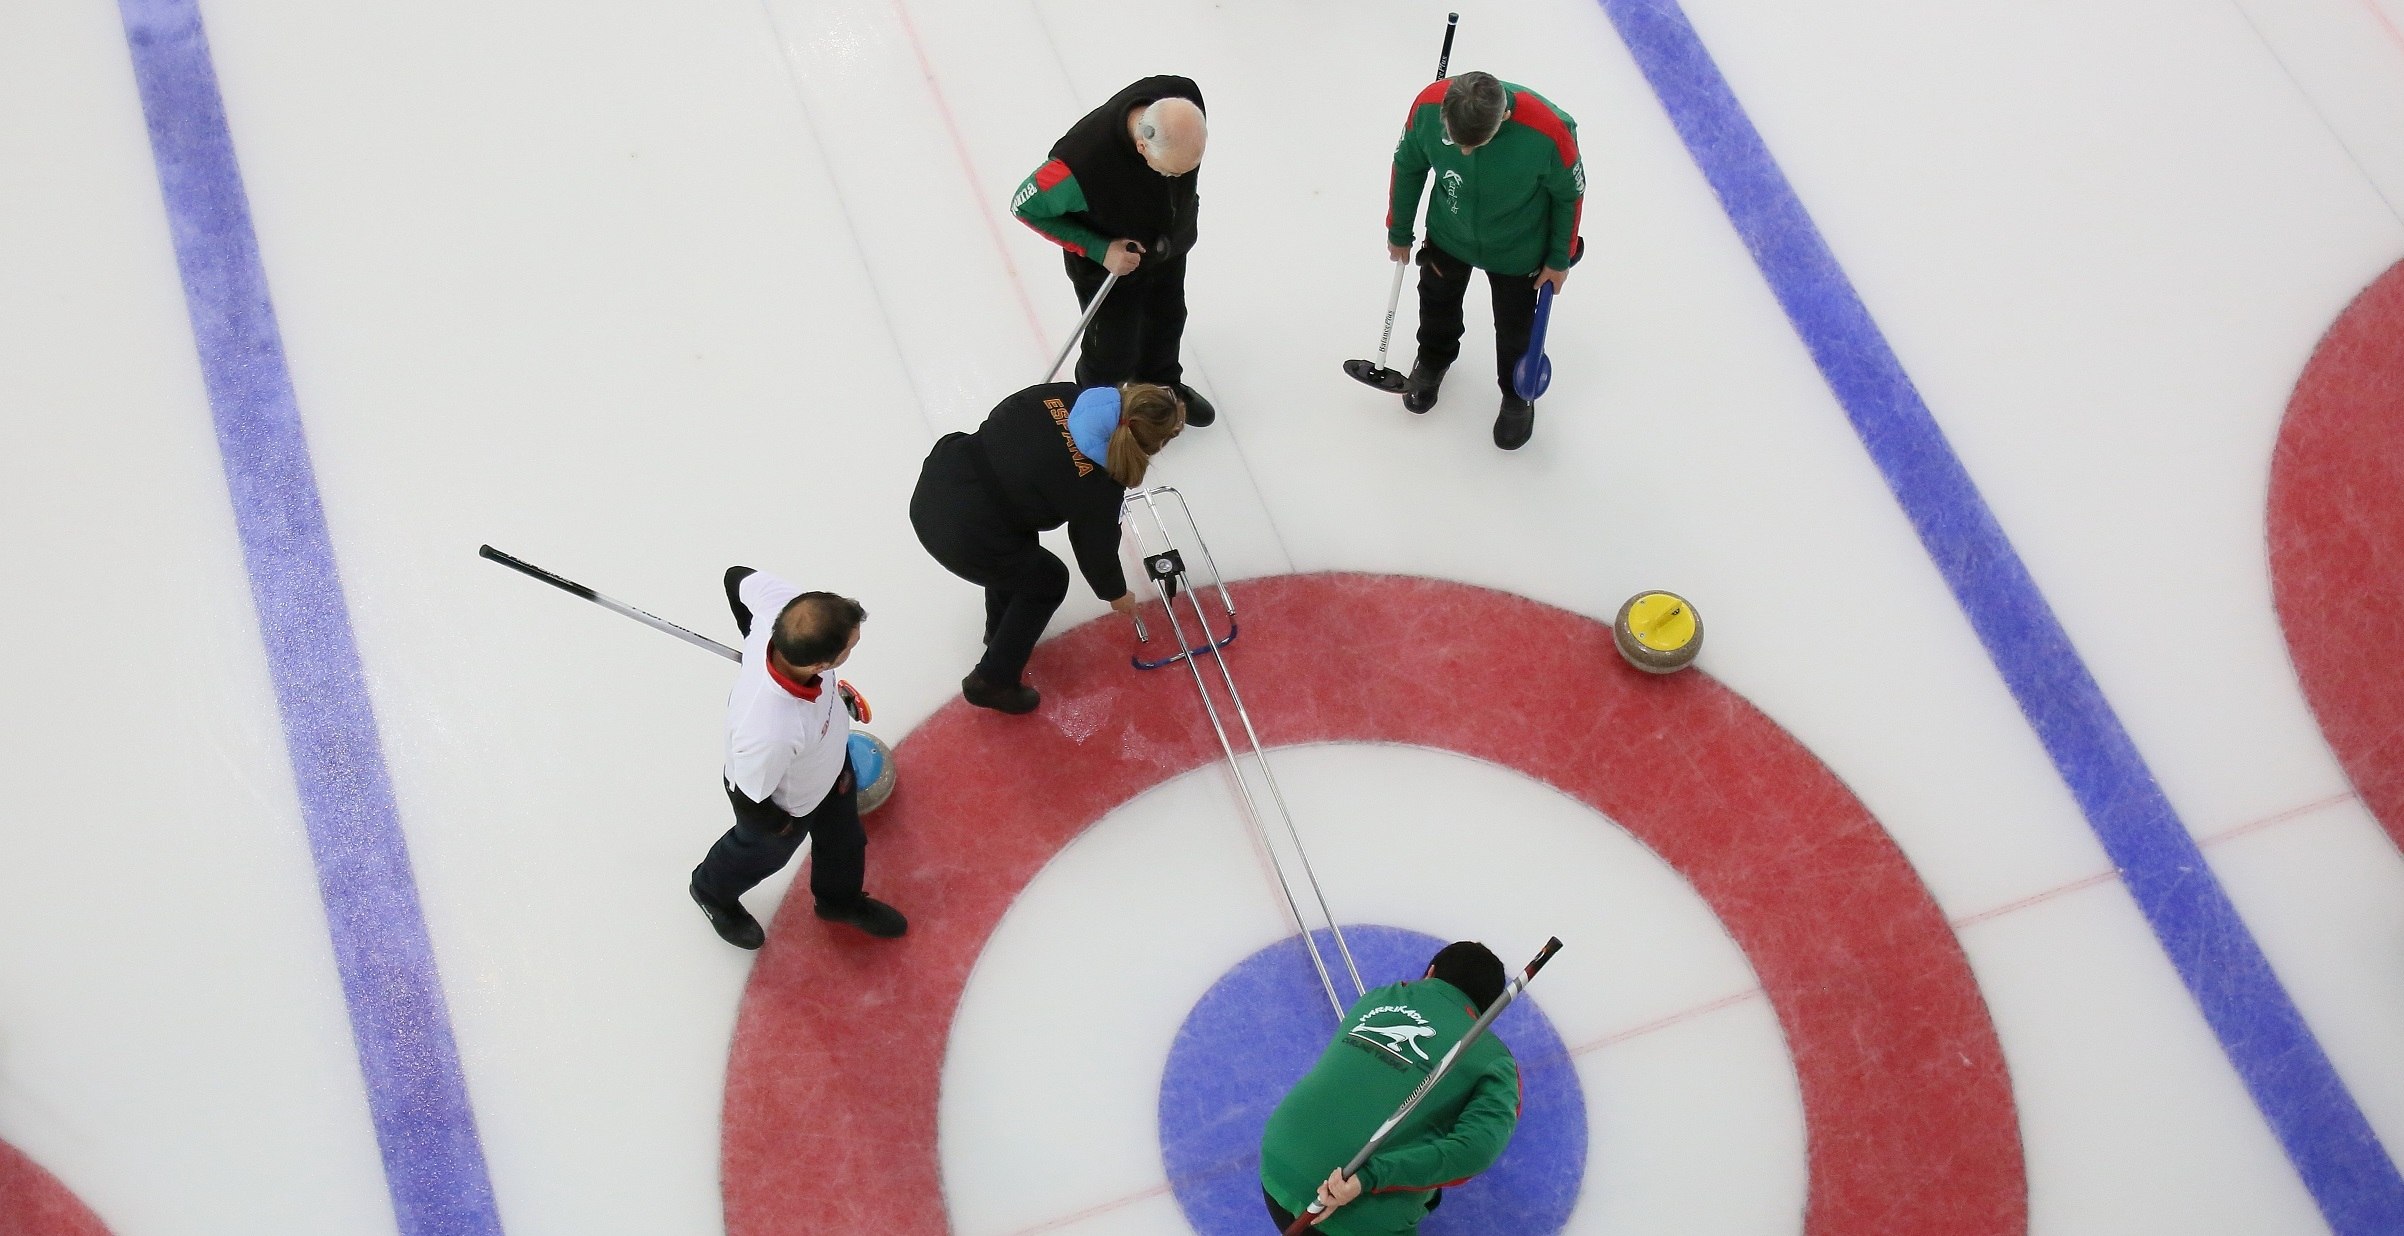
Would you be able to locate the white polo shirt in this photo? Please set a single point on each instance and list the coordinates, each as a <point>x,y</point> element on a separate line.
<point>780,747</point>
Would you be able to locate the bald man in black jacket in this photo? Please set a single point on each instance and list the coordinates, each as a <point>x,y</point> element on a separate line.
<point>1119,196</point>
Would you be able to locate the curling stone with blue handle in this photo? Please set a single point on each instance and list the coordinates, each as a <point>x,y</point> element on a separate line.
<point>872,769</point>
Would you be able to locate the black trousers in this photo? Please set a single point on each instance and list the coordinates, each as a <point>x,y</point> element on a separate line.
<point>1135,336</point>
<point>1024,583</point>
<point>763,841</point>
<point>1443,282</point>
<point>1285,1218</point>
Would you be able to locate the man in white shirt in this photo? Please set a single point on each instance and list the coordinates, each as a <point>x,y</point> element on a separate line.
<point>788,773</point>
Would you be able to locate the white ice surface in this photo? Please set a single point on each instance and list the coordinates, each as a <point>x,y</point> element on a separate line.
<point>1066,1024</point>
<point>172,1039</point>
<point>633,289</point>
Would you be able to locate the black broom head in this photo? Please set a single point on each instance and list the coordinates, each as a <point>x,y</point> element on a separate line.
<point>1386,380</point>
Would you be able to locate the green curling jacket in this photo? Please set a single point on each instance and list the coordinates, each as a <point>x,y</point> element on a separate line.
<point>1391,1040</point>
<point>1511,206</point>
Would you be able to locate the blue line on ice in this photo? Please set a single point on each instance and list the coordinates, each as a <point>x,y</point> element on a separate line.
<point>2292,1081</point>
<point>417,1096</point>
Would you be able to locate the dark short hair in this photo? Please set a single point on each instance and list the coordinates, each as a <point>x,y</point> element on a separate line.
<point>813,628</point>
<point>1474,969</point>
<point>1474,107</point>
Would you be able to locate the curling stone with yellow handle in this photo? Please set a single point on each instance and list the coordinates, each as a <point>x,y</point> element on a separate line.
<point>1658,632</point>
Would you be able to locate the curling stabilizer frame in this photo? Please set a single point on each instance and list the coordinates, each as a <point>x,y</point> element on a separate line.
<point>1166,568</point>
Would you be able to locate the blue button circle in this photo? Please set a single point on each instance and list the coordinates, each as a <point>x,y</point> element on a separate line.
<point>1259,1029</point>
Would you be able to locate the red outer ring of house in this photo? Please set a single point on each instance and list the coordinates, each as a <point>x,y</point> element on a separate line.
<point>832,1088</point>
<point>2337,541</point>
<point>34,1203</point>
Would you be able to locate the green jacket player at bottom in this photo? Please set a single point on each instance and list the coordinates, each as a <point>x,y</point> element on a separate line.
<point>1390,1041</point>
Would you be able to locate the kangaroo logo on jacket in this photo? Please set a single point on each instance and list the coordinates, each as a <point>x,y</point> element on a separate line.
<point>1451,181</point>
<point>1391,1038</point>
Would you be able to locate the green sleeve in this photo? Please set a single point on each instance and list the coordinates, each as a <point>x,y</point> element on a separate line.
<point>1409,181</point>
<point>1471,1146</point>
<point>1047,210</point>
<point>1567,185</point>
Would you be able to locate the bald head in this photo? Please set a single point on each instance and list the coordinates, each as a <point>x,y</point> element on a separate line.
<point>1171,135</point>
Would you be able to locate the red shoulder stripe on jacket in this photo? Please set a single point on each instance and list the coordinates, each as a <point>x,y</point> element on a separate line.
<point>1433,94</point>
<point>1531,111</point>
<point>1049,175</point>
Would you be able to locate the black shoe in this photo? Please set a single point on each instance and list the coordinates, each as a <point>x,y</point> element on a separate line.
<point>1014,699</point>
<point>1419,394</point>
<point>1516,421</point>
<point>1198,411</point>
<point>734,924</point>
<point>869,915</point>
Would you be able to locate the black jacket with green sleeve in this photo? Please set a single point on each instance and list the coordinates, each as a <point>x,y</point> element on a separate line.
<point>1391,1039</point>
<point>1096,187</point>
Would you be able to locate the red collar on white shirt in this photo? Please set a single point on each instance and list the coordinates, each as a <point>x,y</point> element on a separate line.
<point>800,690</point>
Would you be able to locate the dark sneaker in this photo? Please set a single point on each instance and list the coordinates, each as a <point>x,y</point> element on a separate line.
<point>1016,698</point>
<point>1198,411</point>
<point>734,924</point>
<point>869,915</point>
<point>1516,421</point>
<point>1419,394</point>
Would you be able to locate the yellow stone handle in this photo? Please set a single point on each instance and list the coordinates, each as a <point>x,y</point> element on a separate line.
<point>1655,624</point>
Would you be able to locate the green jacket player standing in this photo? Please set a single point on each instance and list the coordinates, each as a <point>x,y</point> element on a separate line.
<point>1509,189</point>
<point>1392,1039</point>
